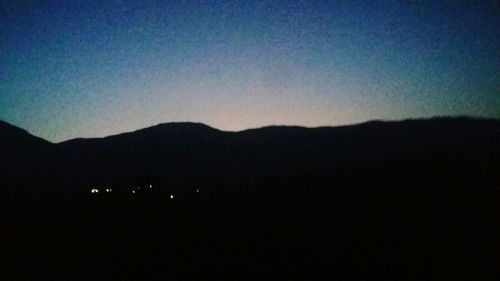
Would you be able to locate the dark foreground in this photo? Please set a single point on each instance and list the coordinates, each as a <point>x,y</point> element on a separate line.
<point>432,226</point>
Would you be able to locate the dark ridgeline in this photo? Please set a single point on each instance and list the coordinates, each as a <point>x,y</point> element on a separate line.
<point>409,200</point>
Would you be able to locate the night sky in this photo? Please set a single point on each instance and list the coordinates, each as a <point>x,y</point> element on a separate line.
<point>94,68</point>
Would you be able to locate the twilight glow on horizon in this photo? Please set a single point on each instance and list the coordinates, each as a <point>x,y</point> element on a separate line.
<point>93,68</point>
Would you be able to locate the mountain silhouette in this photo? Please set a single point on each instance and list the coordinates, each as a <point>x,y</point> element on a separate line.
<point>399,200</point>
<point>23,155</point>
<point>179,154</point>
<point>15,140</point>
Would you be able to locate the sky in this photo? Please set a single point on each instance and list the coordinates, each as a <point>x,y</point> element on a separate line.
<point>95,68</point>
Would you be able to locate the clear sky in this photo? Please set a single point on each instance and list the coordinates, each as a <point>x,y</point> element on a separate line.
<point>94,68</point>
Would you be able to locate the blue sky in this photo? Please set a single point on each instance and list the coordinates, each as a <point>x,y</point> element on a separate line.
<point>94,68</point>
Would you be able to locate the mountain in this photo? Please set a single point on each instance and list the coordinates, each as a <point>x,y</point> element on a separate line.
<point>188,154</point>
<point>406,200</point>
<point>14,139</point>
<point>23,156</point>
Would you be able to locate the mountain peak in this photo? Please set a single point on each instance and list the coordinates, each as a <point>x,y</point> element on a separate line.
<point>190,125</point>
<point>178,128</point>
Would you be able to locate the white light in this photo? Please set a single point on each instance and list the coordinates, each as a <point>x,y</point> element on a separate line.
<point>94,190</point>
<point>171,197</point>
<point>197,190</point>
<point>150,186</point>
<point>133,191</point>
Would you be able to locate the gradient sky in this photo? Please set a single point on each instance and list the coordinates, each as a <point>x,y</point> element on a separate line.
<point>94,68</point>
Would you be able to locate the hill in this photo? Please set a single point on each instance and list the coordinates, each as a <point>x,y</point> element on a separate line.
<point>407,200</point>
<point>180,154</point>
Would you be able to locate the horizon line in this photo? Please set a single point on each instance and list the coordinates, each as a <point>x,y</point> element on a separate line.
<point>265,126</point>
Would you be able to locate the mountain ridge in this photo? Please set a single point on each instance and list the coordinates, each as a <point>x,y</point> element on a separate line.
<point>182,153</point>
<point>17,132</point>
<point>5,126</point>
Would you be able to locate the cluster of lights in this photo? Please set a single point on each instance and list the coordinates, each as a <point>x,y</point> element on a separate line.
<point>95,190</point>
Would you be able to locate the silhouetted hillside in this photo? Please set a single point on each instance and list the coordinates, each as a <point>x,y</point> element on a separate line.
<point>24,157</point>
<point>409,200</point>
<point>16,141</point>
<point>192,154</point>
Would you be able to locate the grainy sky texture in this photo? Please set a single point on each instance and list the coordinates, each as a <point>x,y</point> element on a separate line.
<point>94,68</point>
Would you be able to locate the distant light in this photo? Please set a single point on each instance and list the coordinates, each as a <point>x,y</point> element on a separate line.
<point>197,190</point>
<point>150,186</point>
<point>94,190</point>
<point>171,197</point>
<point>133,191</point>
